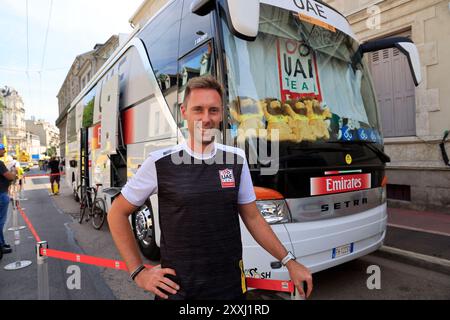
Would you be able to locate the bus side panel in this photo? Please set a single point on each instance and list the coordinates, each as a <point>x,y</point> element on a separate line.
<point>257,262</point>
<point>144,125</point>
<point>314,242</point>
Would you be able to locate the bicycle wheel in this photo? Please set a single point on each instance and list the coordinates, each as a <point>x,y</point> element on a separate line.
<point>98,213</point>
<point>76,192</point>
<point>83,206</point>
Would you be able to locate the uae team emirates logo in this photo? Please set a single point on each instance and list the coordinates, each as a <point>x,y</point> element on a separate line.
<point>227,178</point>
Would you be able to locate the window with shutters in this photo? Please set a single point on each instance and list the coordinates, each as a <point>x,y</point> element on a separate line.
<point>395,92</point>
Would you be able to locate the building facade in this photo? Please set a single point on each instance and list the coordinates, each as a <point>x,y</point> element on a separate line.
<point>12,119</point>
<point>47,133</point>
<point>81,72</point>
<point>34,146</point>
<point>413,119</point>
<point>146,10</point>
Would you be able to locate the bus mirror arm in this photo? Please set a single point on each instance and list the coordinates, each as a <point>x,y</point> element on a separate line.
<point>202,7</point>
<point>442,146</point>
<point>405,45</point>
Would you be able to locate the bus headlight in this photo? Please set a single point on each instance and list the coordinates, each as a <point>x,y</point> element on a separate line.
<point>274,211</point>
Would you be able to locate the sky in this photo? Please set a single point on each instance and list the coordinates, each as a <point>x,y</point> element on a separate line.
<point>37,68</point>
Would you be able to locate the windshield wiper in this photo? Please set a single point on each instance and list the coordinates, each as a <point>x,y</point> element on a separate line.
<point>370,145</point>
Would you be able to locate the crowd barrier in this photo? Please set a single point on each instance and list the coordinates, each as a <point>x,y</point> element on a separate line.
<point>18,263</point>
<point>43,175</point>
<point>43,253</point>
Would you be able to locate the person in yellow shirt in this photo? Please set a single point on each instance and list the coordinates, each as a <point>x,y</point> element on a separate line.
<point>20,180</point>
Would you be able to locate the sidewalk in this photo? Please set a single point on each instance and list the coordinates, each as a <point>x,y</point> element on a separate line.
<point>429,222</point>
<point>421,238</point>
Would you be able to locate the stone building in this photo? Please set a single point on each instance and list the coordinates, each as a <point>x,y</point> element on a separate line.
<point>12,119</point>
<point>146,10</point>
<point>81,72</point>
<point>48,134</point>
<point>414,119</point>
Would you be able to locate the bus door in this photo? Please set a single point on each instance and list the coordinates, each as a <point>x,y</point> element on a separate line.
<point>84,159</point>
<point>110,131</point>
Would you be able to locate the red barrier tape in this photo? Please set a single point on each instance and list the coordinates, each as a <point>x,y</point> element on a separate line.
<point>44,175</point>
<point>263,284</point>
<point>80,258</point>
<point>30,226</point>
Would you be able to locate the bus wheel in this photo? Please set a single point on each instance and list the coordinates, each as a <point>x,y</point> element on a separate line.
<point>143,229</point>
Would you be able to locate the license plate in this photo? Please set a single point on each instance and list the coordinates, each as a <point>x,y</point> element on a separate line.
<point>342,251</point>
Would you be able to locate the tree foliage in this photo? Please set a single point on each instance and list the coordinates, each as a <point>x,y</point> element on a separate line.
<point>88,114</point>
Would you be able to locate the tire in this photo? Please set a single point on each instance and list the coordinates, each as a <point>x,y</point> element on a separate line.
<point>83,209</point>
<point>98,213</point>
<point>76,195</point>
<point>143,228</point>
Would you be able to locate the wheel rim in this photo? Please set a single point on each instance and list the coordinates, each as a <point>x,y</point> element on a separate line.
<point>98,214</point>
<point>144,226</point>
<point>83,206</point>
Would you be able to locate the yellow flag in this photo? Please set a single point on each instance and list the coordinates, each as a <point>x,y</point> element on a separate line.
<point>6,149</point>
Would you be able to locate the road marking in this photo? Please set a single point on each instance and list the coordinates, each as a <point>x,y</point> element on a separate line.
<point>408,254</point>
<point>419,230</point>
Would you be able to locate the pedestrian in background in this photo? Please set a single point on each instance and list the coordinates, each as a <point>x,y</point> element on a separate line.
<point>55,177</point>
<point>20,181</point>
<point>6,177</point>
<point>62,163</point>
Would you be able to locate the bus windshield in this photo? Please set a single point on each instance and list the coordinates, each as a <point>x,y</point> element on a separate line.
<point>297,83</point>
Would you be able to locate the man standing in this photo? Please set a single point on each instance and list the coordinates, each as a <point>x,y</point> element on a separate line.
<point>200,200</point>
<point>6,177</point>
<point>55,177</point>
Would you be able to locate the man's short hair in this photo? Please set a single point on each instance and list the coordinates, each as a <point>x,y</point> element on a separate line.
<point>205,82</point>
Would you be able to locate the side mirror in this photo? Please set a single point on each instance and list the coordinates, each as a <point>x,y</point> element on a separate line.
<point>405,45</point>
<point>242,16</point>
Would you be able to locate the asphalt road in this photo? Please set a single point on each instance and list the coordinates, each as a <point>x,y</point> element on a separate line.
<point>421,242</point>
<point>399,281</point>
<point>54,219</point>
<point>53,226</point>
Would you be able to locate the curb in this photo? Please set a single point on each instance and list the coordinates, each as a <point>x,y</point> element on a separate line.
<point>416,259</point>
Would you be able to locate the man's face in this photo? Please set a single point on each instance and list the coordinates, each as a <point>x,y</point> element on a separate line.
<point>2,152</point>
<point>203,113</point>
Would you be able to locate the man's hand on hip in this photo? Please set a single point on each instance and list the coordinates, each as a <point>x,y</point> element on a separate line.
<point>154,279</point>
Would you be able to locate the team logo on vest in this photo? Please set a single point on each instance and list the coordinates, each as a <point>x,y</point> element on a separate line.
<point>227,178</point>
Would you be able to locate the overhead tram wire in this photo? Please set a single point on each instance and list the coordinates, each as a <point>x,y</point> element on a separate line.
<point>44,51</point>
<point>7,69</point>
<point>46,35</point>
<point>28,36</point>
<point>28,51</point>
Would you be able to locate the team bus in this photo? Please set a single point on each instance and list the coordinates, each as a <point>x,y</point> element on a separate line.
<point>296,80</point>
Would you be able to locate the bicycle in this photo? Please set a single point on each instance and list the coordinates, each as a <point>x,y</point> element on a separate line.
<point>96,206</point>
